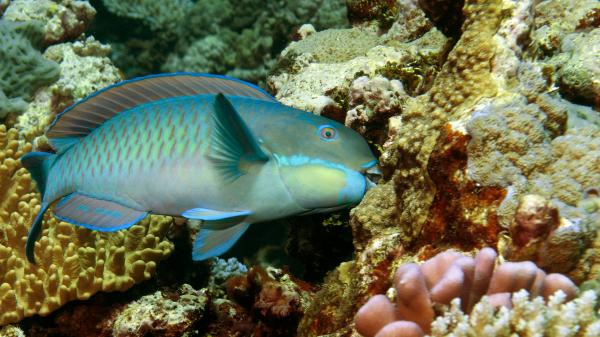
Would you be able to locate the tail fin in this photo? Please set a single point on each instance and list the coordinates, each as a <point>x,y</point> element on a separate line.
<point>38,164</point>
<point>34,233</point>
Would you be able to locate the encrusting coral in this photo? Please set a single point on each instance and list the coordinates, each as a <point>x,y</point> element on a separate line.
<point>450,275</point>
<point>73,263</point>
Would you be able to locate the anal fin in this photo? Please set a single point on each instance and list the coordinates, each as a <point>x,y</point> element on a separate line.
<point>211,242</point>
<point>96,214</point>
<point>214,219</point>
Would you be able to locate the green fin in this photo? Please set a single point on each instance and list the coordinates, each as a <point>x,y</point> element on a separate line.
<point>210,243</point>
<point>232,139</point>
<point>38,164</point>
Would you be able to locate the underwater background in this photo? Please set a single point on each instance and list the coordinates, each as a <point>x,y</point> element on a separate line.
<point>485,118</point>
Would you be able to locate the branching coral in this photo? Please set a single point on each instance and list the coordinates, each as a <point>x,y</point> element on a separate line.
<point>73,263</point>
<point>528,317</point>
<point>451,275</point>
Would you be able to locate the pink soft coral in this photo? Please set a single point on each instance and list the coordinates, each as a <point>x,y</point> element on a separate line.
<point>444,277</point>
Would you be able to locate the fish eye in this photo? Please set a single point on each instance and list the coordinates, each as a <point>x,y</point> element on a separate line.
<point>327,132</point>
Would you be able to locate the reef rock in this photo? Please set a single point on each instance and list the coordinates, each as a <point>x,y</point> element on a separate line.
<point>62,19</point>
<point>470,131</point>
<point>84,69</point>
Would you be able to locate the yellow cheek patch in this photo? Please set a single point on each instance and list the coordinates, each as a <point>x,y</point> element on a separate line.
<point>305,182</point>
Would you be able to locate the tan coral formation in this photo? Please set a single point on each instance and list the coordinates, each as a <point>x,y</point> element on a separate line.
<point>72,262</point>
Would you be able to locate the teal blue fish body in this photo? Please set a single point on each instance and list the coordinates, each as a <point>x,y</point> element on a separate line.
<point>203,147</point>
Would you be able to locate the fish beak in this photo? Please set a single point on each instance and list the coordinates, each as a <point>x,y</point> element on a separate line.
<point>372,175</point>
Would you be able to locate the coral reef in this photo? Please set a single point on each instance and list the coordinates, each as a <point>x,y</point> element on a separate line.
<point>476,129</point>
<point>449,275</point>
<point>11,331</point>
<point>73,263</point>
<point>162,313</point>
<point>528,317</point>
<point>23,69</point>
<point>337,63</point>
<point>162,17</point>
<point>274,298</point>
<point>237,38</point>
<point>84,68</point>
<point>172,311</point>
<point>62,19</point>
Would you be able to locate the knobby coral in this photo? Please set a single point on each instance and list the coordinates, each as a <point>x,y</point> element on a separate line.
<point>73,263</point>
<point>447,276</point>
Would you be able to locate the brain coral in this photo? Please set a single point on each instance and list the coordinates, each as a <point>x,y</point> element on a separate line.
<point>74,263</point>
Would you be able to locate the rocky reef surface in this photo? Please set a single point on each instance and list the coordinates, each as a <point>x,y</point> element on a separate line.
<point>485,118</point>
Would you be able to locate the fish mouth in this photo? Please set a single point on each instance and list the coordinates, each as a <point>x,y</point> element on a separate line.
<point>372,174</point>
<point>324,210</point>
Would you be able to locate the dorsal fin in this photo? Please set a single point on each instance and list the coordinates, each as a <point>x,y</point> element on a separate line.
<point>84,116</point>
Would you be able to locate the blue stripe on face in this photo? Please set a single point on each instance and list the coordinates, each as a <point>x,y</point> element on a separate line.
<point>369,164</point>
<point>299,160</point>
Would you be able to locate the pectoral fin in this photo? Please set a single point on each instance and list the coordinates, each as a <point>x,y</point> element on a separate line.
<point>210,242</point>
<point>232,140</point>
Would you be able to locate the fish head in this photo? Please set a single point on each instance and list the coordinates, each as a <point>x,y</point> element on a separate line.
<point>322,163</point>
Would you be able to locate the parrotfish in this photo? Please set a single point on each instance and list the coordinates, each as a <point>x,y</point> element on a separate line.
<point>200,146</point>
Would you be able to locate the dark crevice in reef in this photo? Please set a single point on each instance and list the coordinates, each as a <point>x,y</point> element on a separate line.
<point>447,15</point>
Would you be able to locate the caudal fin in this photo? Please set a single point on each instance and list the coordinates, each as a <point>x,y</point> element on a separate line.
<point>38,164</point>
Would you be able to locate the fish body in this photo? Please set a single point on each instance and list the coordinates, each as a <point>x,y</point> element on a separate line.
<point>199,146</point>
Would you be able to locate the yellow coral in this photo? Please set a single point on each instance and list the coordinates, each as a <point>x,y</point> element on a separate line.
<point>73,262</point>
